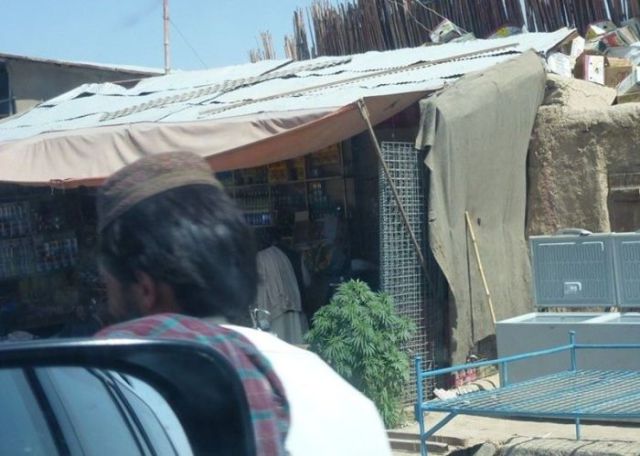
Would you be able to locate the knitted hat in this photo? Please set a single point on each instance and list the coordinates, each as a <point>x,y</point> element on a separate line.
<point>148,177</point>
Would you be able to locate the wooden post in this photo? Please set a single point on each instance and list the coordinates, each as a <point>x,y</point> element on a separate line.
<point>481,269</point>
<point>167,51</point>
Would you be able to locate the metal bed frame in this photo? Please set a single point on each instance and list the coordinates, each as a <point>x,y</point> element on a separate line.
<point>574,394</point>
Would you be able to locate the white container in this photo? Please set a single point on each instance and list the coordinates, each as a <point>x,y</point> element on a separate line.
<point>539,331</point>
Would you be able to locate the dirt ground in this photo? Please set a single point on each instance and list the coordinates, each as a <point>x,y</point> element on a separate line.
<point>469,431</point>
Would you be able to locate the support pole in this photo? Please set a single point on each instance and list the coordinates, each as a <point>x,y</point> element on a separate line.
<point>167,50</point>
<point>504,374</point>
<point>419,400</point>
<point>481,269</point>
<point>572,341</point>
<point>365,115</point>
<point>424,439</point>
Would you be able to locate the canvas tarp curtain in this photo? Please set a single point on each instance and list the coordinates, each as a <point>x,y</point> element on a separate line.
<point>86,156</point>
<point>477,135</point>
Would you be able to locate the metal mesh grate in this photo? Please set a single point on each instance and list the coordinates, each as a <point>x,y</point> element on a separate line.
<point>604,394</point>
<point>401,275</point>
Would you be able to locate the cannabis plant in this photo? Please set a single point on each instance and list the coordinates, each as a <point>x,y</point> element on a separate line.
<point>360,334</point>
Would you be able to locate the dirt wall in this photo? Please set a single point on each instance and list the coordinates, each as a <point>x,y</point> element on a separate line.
<point>579,139</point>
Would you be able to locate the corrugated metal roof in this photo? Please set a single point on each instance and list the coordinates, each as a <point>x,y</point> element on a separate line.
<point>76,63</point>
<point>271,86</point>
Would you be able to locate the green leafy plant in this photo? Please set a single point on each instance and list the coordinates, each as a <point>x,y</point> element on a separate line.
<point>360,334</point>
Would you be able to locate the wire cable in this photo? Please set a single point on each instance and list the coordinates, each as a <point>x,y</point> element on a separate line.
<point>439,15</point>
<point>204,65</point>
<point>397,2</point>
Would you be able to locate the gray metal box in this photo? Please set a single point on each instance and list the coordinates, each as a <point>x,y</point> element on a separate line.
<point>538,331</point>
<point>626,247</point>
<point>573,271</point>
<point>577,271</point>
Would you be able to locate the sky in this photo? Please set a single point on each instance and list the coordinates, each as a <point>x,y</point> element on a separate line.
<point>129,32</point>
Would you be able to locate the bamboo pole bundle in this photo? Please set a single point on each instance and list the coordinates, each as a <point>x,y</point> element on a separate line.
<point>419,29</point>
<point>299,42</point>
<point>626,8</point>
<point>567,13</point>
<point>514,13</point>
<point>356,26</point>
<point>254,55</point>
<point>373,19</point>
<point>265,49</point>
<point>408,24</point>
<point>267,45</point>
<point>397,31</point>
<point>290,48</point>
<point>634,8</point>
<point>615,10</point>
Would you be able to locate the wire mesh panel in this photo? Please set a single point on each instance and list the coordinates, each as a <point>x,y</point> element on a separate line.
<point>401,275</point>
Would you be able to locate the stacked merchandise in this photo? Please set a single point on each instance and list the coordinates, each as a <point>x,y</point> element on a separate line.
<point>292,192</point>
<point>607,55</point>
<point>38,252</point>
<point>29,246</point>
<point>345,28</point>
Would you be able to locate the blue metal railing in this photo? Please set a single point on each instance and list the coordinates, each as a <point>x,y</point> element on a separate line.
<point>503,363</point>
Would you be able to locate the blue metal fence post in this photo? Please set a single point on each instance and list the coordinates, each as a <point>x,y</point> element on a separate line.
<point>572,342</point>
<point>574,368</point>
<point>504,374</point>
<point>419,401</point>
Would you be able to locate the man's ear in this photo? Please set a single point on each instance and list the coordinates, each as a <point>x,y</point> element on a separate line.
<point>146,289</point>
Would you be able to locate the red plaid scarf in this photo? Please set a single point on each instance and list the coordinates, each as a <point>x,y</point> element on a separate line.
<point>265,393</point>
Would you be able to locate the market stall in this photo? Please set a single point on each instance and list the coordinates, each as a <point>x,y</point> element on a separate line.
<point>47,257</point>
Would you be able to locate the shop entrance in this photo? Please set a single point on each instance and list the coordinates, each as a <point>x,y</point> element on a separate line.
<point>304,207</point>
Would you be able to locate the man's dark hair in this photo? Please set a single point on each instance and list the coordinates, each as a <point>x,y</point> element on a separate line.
<point>193,239</point>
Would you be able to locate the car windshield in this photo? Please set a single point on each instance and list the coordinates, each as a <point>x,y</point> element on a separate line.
<point>23,425</point>
<point>158,419</point>
<point>88,411</point>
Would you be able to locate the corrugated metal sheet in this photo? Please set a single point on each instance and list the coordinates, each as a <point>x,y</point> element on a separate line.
<point>77,63</point>
<point>192,79</point>
<point>271,86</point>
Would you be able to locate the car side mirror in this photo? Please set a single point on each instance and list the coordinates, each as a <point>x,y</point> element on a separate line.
<point>198,388</point>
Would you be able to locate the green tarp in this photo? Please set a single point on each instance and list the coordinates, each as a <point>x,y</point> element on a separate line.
<point>477,135</point>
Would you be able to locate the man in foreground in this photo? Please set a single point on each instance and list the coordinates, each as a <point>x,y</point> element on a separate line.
<point>178,259</point>
<point>173,247</point>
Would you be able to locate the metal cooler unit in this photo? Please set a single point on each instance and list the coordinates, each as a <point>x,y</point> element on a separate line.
<point>578,271</point>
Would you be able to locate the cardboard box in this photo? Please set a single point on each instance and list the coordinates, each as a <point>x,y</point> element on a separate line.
<point>629,98</point>
<point>599,28</point>
<point>607,71</point>
<point>629,89</point>
<point>631,53</point>
<point>590,68</point>
<point>561,64</point>
<point>577,47</point>
<point>593,32</point>
<point>624,36</point>
<point>634,25</point>
<point>616,70</point>
<point>445,31</point>
<point>631,84</point>
<point>505,31</point>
